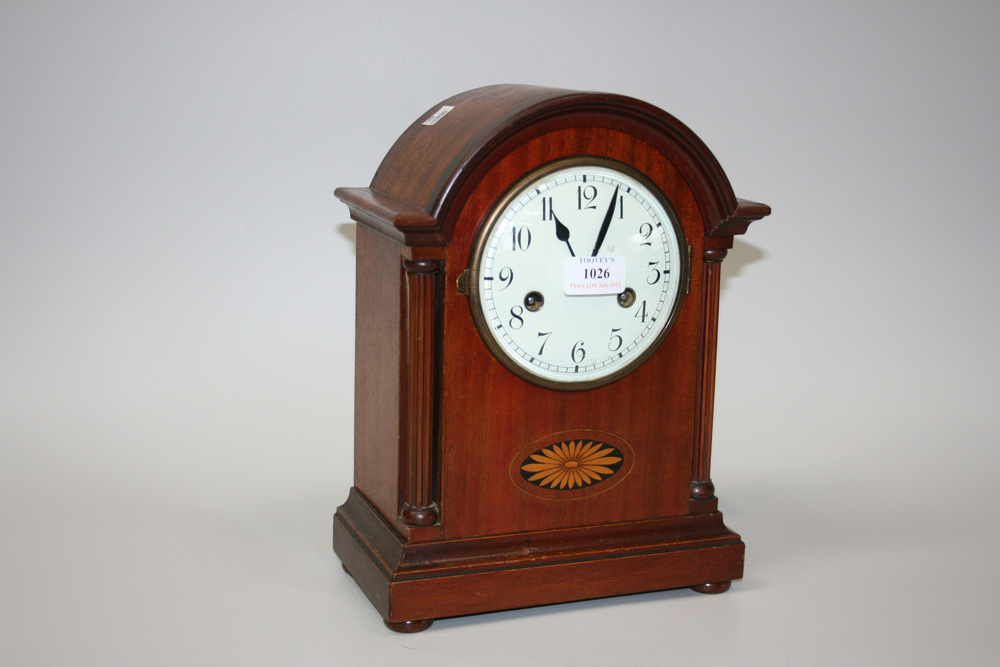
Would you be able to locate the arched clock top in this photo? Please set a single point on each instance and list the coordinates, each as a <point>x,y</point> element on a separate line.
<point>448,146</point>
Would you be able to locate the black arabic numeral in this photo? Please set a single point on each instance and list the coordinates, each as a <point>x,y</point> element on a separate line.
<point>520,238</point>
<point>546,208</point>
<point>506,276</point>
<point>545,339</point>
<point>516,321</point>
<point>616,341</point>
<point>654,276</point>
<point>645,230</point>
<point>641,313</point>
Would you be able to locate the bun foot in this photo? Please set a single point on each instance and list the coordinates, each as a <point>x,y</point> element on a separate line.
<point>713,588</point>
<point>408,626</point>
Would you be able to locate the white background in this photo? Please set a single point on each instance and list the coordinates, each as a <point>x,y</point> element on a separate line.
<point>176,337</point>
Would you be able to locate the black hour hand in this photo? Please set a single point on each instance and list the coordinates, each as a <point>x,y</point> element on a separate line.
<point>562,233</point>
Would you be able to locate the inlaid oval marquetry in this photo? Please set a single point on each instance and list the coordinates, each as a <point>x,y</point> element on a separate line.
<point>571,464</point>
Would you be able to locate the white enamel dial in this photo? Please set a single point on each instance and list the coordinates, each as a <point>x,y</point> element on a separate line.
<point>577,275</point>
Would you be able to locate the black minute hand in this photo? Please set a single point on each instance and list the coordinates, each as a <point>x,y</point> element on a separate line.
<point>607,223</point>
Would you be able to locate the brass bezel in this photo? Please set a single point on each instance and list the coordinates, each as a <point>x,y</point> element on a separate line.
<point>485,232</point>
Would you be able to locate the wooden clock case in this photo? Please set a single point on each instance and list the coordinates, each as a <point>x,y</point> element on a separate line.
<point>439,523</point>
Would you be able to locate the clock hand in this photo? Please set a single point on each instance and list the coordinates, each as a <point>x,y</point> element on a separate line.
<point>562,233</point>
<point>607,223</point>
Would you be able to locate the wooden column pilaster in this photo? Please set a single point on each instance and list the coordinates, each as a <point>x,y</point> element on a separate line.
<point>419,507</point>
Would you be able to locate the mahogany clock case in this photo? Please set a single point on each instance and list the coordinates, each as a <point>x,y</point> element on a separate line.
<point>440,521</point>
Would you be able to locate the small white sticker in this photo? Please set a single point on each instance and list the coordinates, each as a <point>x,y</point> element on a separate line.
<point>438,115</point>
<point>594,275</point>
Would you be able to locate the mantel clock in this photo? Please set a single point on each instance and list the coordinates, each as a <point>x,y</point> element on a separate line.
<point>537,311</point>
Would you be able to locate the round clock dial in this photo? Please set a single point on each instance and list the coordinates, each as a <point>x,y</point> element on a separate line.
<point>576,275</point>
